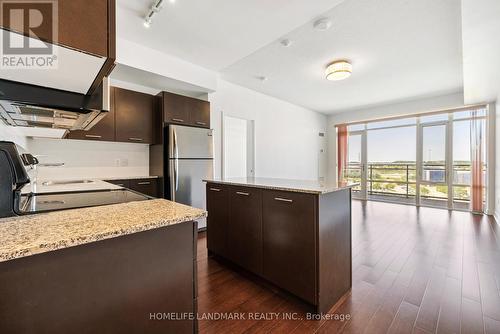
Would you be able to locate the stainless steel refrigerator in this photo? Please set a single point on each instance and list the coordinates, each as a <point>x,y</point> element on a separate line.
<point>190,160</point>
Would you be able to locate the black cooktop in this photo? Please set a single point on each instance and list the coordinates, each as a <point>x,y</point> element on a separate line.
<point>37,203</point>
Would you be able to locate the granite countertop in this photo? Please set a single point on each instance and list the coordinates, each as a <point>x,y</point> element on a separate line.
<point>56,186</point>
<point>301,186</point>
<point>33,234</point>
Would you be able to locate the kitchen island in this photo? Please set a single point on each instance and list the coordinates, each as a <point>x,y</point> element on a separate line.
<point>107,269</point>
<point>294,234</point>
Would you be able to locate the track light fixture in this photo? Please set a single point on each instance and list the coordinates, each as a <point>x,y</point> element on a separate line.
<point>155,8</point>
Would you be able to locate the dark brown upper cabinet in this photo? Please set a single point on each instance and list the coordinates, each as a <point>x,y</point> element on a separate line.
<point>104,130</point>
<point>83,25</point>
<point>133,116</point>
<point>83,30</point>
<point>183,110</point>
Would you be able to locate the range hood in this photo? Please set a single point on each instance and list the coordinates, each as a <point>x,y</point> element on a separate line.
<point>35,106</point>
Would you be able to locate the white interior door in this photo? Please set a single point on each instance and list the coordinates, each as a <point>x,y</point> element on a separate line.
<point>238,147</point>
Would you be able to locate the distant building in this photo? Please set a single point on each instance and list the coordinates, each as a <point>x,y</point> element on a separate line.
<point>435,175</point>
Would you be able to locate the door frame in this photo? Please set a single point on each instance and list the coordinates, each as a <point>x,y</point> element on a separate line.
<point>250,144</point>
<point>448,159</point>
<point>363,193</point>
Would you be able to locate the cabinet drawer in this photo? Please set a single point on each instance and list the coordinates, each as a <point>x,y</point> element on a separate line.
<point>218,218</point>
<point>121,183</point>
<point>289,241</point>
<point>245,228</point>
<point>145,186</point>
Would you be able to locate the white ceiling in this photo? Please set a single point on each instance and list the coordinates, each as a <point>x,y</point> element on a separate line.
<point>400,49</point>
<point>215,33</point>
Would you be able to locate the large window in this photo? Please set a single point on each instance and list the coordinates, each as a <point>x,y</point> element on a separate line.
<point>427,160</point>
<point>391,162</point>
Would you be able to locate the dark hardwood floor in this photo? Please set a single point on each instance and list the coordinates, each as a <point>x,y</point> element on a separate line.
<point>414,270</point>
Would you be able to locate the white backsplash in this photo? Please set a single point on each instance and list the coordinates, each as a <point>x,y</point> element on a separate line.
<point>89,159</point>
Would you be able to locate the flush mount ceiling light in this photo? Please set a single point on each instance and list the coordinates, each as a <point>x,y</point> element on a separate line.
<point>338,70</point>
<point>155,8</point>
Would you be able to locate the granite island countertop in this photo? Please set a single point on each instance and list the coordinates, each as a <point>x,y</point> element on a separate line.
<point>301,186</point>
<point>22,236</point>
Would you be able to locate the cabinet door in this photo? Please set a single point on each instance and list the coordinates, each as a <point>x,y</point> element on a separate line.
<point>104,130</point>
<point>133,116</point>
<point>218,218</point>
<point>82,24</point>
<point>200,113</point>
<point>176,109</point>
<point>245,228</point>
<point>145,186</point>
<point>289,241</point>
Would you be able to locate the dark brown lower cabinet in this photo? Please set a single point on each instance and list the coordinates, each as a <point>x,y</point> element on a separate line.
<point>298,241</point>
<point>244,231</point>
<point>145,186</point>
<point>289,236</point>
<point>128,284</point>
<point>148,187</point>
<point>218,220</point>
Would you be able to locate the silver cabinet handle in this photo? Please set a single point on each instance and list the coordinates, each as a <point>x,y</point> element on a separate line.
<point>283,200</point>
<point>178,120</point>
<point>143,183</point>
<point>201,123</point>
<point>93,136</point>
<point>215,189</point>
<point>135,139</point>
<point>242,193</point>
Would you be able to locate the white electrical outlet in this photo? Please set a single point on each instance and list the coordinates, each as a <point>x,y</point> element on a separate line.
<point>123,162</point>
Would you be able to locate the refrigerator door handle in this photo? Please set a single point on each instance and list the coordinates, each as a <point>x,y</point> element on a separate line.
<point>176,174</point>
<point>175,147</point>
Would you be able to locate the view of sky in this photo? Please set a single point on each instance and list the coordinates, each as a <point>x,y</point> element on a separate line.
<point>399,144</point>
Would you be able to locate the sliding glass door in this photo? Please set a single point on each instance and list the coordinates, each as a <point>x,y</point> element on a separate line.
<point>433,167</point>
<point>356,163</point>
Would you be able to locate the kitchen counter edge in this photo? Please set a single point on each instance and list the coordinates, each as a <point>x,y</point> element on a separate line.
<point>317,189</point>
<point>28,235</point>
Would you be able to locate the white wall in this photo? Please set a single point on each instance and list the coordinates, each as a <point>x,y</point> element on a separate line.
<point>287,141</point>
<point>384,111</point>
<point>481,50</point>
<point>90,159</point>
<point>146,59</point>
<point>8,133</point>
<point>497,161</point>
